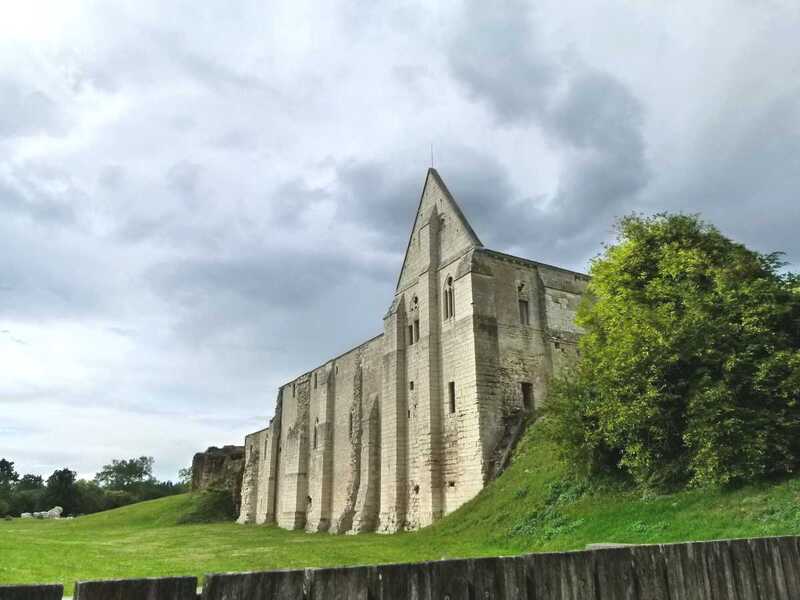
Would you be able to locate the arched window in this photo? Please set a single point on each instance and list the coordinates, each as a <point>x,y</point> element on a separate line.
<point>449,299</point>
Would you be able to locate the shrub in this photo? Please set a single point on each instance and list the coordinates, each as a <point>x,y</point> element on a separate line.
<point>209,506</point>
<point>689,369</point>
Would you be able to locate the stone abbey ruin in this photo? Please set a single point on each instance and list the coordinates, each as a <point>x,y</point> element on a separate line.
<point>410,425</point>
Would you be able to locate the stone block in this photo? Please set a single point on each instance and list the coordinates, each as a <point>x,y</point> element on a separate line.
<point>268,585</point>
<point>164,588</point>
<point>32,592</point>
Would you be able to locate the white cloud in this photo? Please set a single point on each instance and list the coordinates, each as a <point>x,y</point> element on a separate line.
<point>189,192</point>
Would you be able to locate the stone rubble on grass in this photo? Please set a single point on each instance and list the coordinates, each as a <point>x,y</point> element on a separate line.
<point>53,513</point>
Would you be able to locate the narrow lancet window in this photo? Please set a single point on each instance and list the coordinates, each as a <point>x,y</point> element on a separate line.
<point>449,299</point>
<point>524,316</point>
<point>451,391</point>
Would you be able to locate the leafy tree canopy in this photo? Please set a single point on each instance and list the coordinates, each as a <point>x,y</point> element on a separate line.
<point>7,473</point>
<point>689,368</point>
<point>61,490</point>
<point>125,473</point>
<point>30,482</point>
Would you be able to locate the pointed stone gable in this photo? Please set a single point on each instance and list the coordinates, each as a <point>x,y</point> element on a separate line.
<point>455,233</point>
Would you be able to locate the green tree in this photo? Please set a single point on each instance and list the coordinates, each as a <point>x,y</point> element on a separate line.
<point>689,367</point>
<point>185,477</point>
<point>29,482</point>
<point>8,476</point>
<point>7,473</point>
<point>62,491</point>
<point>126,474</point>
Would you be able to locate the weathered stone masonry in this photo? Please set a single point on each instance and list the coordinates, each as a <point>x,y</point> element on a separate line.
<point>408,426</point>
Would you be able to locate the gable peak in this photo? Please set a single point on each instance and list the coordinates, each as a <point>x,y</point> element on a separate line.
<point>437,201</point>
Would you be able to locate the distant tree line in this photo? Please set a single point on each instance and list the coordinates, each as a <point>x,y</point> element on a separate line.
<point>119,483</point>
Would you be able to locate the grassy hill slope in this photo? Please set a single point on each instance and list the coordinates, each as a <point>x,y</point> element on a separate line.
<point>531,507</point>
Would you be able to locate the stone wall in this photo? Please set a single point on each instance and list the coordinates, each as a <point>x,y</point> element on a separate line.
<point>220,469</point>
<point>217,468</point>
<point>516,351</point>
<point>410,425</point>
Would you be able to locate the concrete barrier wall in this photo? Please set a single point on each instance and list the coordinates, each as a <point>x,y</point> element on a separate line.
<point>758,569</point>
<point>31,592</point>
<point>754,569</point>
<point>166,588</point>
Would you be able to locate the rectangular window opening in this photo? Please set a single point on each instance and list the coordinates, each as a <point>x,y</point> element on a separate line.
<point>410,334</point>
<point>451,390</point>
<point>527,395</point>
<point>315,381</point>
<point>524,316</point>
<point>451,484</point>
<point>411,385</point>
<point>416,330</point>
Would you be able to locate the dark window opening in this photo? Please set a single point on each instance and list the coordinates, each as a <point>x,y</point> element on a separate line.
<point>411,385</point>
<point>416,330</point>
<point>316,425</point>
<point>558,345</point>
<point>409,413</point>
<point>451,484</point>
<point>451,388</point>
<point>410,334</point>
<point>292,390</point>
<point>524,316</point>
<point>315,381</point>
<point>337,369</point>
<point>527,394</point>
<point>416,489</point>
<point>449,299</point>
<point>351,423</point>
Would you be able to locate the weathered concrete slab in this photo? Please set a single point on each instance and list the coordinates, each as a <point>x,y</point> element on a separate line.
<point>338,584</point>
<point>649,569</point>
<point>395,581</point>
<point>756,569</point>
<point>615,576</point>
<point>31,592</point>
<point>268,585</point>
<point>164,588</point>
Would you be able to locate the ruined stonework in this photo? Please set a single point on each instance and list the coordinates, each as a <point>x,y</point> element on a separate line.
<point>411,424</point>
<point>219,469</point>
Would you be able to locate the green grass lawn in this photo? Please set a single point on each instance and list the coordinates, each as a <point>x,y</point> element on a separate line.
<point>531,507</point>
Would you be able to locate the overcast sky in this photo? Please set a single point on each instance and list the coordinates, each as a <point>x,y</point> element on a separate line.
<point>201,200</point>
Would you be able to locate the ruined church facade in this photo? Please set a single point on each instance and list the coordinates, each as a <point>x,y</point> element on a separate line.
<point>410,425</point>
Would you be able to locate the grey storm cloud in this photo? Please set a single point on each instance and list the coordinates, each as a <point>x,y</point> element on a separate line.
<point>199,202</point>
<point>592,116</point>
